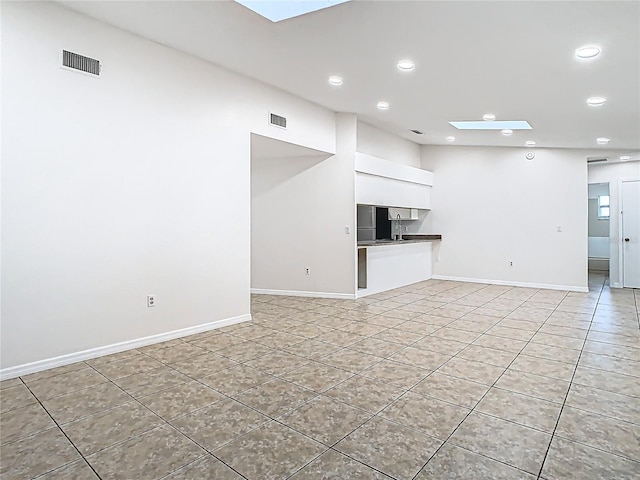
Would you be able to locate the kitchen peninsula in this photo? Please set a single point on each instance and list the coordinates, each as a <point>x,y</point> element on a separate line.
<point>387,264</point>
<point>386,194</point>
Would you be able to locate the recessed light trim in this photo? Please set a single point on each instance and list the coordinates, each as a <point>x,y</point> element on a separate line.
<point>406,65</point>
<point>507,132</point>
<point>382,106</point>
<point>489,117</point>
<point>530,143</point>
<point>451,138</point>
<point>335,80</point>
<point>603,140</point>
<point>596,101</point>
<point>624,158</point>
<point>496,125</point>
<point>588,51</point>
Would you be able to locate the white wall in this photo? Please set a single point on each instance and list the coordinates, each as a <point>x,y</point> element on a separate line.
<point>598,189</point>
<point>135,183</point>
<point>612,173</point>
<point>488,205</point>
<point>300,206</point>
<point>385,145</point>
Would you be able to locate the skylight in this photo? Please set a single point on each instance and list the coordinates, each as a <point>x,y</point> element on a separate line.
<point>278,10</point>
<point>495,125</point>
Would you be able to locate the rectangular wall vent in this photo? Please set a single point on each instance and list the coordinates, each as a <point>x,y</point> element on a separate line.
<point>277,120</point>
<point>80,62</point>
<point>597,159</point>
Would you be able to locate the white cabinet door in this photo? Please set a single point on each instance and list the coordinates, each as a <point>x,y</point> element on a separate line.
<point>390,192</point>
<point>405,213</point>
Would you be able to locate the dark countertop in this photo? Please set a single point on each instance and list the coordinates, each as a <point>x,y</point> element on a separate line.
<point>406,239</point>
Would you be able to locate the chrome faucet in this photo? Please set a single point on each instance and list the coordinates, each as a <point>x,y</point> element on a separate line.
<point>399,227</point>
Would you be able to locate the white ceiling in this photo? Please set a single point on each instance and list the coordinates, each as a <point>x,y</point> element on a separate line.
<point>514,59</point>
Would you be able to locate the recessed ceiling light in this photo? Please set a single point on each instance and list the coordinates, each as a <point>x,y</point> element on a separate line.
<point>530,143</point>
<point>451,139</point>
<point>417,132</point>
<point>624,158</point>
<point>496,125</point>
<point>335,80</point>
<point>588,51</point>
<point>488,117</point>
<point>406,65</point>
<point>507,132</point>
<point>383,105</point>
<point>596,101</point>
<point>602,140</point>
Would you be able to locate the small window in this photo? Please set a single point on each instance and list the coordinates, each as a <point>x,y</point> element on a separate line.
<point>603,207</point>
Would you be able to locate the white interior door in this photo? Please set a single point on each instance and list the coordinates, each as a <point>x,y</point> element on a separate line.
<point>631,234</point>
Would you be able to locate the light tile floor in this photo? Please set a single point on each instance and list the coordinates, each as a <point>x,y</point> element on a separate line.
<point>437,380</point>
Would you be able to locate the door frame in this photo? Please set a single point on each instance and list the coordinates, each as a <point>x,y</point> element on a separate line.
<point>620,279</point>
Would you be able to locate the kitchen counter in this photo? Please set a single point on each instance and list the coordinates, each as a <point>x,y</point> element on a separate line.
<point>406,239</point>
<point>386,264</point>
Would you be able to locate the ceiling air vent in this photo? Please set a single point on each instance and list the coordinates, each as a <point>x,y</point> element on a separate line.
<point>597,159</point>
<point>80,62</point>
<point>417,132</point>
<point>277,120</point>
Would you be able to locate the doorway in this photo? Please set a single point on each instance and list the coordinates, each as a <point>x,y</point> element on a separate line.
<point>599,245</point>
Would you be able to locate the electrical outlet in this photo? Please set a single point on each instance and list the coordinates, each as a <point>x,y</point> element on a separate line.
<point>307,271</point>
<point>347,230</point>
<point>151,300</point>
<point>511,264</point>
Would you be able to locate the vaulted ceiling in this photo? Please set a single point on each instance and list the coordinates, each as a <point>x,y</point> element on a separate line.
<point>513,59</point>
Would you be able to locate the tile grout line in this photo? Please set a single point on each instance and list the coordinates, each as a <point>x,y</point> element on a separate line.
<point>136,401</point>
<point>270,419</point>
<point>376,415</point>
<point>553,434</point>
<point>484,395</point>
<point>357,427</point>
<point>165,422</point>
<point>473,408</point>
<point>410,388</point>
<point>64,433</point>
<point>341,348</point>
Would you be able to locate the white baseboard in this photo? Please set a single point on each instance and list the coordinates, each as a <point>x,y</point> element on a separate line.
<point>299,293</point>
<point>570,288</point>
<point>48,363</point>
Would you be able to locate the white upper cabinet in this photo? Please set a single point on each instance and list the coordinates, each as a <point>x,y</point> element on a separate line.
<point>384,183</point>
<point>405,213</point>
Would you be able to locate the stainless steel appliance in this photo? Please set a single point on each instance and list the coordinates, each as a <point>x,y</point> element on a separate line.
<point>366,225</point>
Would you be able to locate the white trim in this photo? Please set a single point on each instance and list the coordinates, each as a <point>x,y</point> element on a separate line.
<point>299,293</point>
<point>619,283</point>
<point>48,363</point>
<point>571,288</point>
